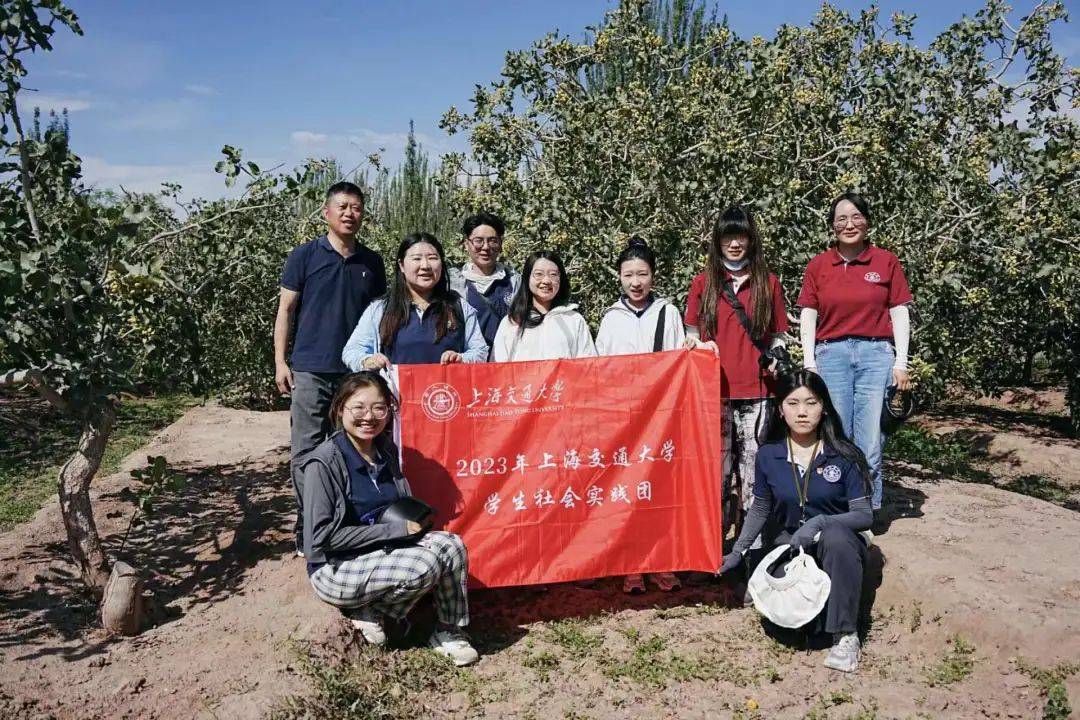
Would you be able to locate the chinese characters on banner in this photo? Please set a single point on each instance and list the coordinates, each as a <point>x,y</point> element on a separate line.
<point>568,469</point>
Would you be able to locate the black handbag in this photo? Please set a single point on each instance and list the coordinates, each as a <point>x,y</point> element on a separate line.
<point>409,509</point>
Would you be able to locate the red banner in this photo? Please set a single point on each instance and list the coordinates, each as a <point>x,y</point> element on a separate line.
<point>568,469</point>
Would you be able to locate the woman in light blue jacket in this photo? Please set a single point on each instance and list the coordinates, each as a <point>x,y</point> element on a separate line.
<point>421,320</point>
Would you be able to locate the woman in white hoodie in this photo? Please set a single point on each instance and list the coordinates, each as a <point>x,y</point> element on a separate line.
<point>640,322</point>
<point>542,323</point>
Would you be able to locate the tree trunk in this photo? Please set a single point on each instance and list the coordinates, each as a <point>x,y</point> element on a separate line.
<point>1072,397</point>
<point>1028,377</point>
<point>122,605</point>
<point>75,477</point>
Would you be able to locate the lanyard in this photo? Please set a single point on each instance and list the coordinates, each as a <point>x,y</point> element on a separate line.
<point>802,491</point>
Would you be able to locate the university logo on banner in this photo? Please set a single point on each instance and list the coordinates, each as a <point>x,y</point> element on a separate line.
<point>568,469</point>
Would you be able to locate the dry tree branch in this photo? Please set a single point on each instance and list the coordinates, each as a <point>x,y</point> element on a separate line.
<point>36,379</point>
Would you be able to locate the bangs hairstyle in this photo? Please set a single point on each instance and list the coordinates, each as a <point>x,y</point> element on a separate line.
<point>855,199</point>
<point>736,221</point>
<point>830,430</point>
<point>636,249</point>
<point>444,301</point>
<point>483,218</point>
<point>522,312</point>
<point>359,381</point>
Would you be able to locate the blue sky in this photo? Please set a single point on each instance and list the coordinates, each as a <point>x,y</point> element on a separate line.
<point>155,88</point>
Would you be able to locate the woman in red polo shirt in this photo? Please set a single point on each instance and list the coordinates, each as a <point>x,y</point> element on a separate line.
<point>855,327</point>
<point>736,270</point>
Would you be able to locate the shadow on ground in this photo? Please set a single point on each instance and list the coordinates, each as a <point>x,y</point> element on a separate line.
<point>196,548</point>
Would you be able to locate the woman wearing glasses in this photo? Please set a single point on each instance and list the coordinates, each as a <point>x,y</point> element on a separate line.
<point>358,560</point>
<point>421,320</point>
<point>855,327</point>
<point>485,283</point>
<point>542,323</point>
<point>736,308</point>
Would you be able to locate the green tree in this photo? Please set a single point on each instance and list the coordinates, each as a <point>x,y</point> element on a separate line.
<point>410,199</point>
<point>966,148</point>
<point>86,304</point>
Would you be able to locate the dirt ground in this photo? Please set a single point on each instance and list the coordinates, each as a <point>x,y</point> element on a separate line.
<point>971,585</point>
<point>1031,449</point>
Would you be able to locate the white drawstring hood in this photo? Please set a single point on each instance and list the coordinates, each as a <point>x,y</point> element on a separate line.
<point>622,332</point>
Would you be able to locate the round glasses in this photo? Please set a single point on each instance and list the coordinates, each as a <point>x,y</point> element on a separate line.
<point>842,222</point>
<point>480,242</point>
<point>379,412</point>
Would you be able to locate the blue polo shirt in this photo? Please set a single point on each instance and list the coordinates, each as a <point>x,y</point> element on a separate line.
<point>334,292</point>
<point>415,343</point>
<point>491,307</point>
<point>834,481</point>
<point>370,486</point>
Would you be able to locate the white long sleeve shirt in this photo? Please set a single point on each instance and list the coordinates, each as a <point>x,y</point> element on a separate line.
<point>563,334</point>
<point>623,332</point>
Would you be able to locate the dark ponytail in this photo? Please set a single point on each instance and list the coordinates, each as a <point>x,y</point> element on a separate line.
<point>636,249</point>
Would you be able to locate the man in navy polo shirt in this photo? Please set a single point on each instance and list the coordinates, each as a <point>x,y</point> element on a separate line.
<point>325,288</point>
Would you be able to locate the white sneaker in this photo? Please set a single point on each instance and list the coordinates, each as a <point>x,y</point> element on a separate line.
<point>368,625</point>
<point>844,655</point>
<point>455,646</point>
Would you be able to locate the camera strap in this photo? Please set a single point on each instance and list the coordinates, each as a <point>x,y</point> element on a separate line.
<point>728,290</point>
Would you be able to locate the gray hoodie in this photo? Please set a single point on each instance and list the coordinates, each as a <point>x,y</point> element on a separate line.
<point>326,504</point>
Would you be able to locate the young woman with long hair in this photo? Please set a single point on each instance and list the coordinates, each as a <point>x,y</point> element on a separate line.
<point>360,561</point>
<point>736,307</point>
<point>542,323</point>
<point>640,322</point>
<point>855,327</point>
<point>816,482</point>
<point>420,320</point>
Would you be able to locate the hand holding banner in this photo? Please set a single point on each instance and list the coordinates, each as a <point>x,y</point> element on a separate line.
<point>569,469</point>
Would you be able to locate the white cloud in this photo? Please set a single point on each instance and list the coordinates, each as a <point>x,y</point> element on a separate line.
<point>53,102</point>
<point>160,115</point>
<point>352,148</point>
<point>306,138</point>
<point>205,90</point>
<point>198,180</point>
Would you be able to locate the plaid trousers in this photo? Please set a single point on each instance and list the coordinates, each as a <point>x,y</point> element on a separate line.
<point>392,583</point>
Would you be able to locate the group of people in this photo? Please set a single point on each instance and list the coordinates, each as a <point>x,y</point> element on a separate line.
<point>802,447</point>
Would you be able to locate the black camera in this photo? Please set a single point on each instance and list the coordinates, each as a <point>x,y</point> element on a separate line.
<point>779,354</point>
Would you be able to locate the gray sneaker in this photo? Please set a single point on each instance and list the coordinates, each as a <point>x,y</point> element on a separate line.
<point>454,645</point>
<point>366,622</point>
<point>844,655</point>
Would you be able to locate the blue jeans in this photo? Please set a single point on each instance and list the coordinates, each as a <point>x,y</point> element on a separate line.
<point>857,373</point>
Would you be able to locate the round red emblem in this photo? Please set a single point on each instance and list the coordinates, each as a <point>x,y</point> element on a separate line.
<point>440,402</point>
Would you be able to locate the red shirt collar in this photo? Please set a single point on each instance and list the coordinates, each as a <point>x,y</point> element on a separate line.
<point>862,258</point>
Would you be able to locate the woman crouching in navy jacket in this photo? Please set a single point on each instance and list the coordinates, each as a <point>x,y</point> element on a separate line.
<point>359,561</point>
<point>817,484</point>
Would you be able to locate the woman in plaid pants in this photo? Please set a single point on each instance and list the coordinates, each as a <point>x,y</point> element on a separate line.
<point>367,567</point>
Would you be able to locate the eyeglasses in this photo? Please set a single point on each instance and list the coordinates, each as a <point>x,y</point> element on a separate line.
<point>479,242</point>
<point>379,412</point>
<point>842,222</point>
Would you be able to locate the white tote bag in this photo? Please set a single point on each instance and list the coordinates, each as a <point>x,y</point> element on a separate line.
<point>795,599</point>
